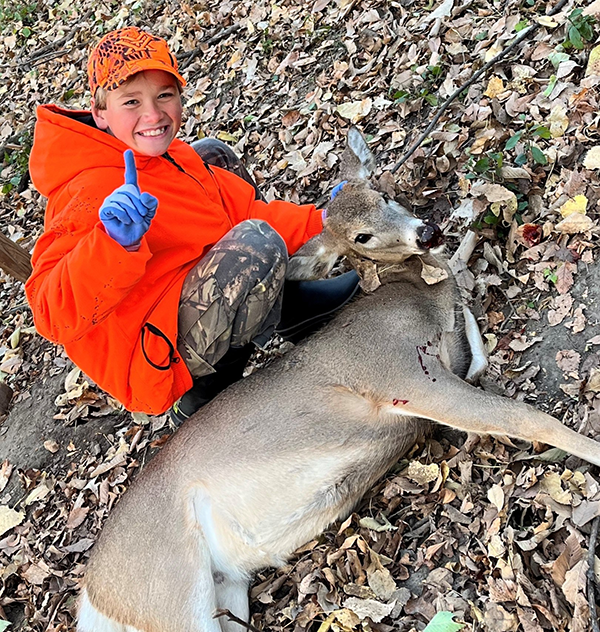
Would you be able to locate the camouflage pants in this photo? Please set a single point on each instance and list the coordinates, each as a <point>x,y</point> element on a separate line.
<point>233,295</point>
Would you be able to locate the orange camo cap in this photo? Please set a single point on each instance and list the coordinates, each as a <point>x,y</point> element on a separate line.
<point>124,52</point>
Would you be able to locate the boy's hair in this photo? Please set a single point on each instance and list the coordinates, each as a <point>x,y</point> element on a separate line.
<point>101,95</point>
<point>125,52</point>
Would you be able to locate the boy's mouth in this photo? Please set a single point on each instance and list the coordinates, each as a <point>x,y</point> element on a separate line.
<point>154,132</point>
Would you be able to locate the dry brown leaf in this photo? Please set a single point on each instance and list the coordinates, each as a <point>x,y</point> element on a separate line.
<point>575,223</point>
<point>552,485</point>
<point>432,274</point>
<point>363,608</point>
<point>568,360</point>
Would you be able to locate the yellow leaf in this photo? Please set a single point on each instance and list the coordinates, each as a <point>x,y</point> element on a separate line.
<point>237,55</point>
<point>422,474</point>
<point>9,518</point>
<point>227,137</point>
<point>593,66</point>
<point>578,204</point>
<point>355,110</point>
<point>558,121</point>
<point>552,485</point>
<point>547,21</point>
<point>494,88</point>
<point>592,158</point>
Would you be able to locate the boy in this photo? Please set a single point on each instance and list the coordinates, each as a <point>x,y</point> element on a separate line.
<point>157,270</point>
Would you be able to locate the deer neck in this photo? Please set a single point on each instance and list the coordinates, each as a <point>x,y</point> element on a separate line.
<point>428,267</point>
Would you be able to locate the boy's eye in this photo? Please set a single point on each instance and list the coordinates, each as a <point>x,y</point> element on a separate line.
<point>131,102</point>
<point>165,95</point>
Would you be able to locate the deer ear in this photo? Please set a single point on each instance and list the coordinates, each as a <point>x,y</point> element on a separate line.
<point>357,162</point>
<point>314,260</point>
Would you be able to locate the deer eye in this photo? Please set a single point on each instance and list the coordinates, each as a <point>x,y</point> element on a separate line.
<point>362,238</point>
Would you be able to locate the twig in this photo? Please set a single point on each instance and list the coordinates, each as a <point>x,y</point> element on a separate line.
<point>17,308</point>
<point>524,34</point>
<point>232,617</point>
<point>185,59</point>
<point>591,575</point>
<point>58,43</point>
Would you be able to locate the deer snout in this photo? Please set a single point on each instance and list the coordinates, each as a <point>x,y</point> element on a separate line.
<point>429,236</point>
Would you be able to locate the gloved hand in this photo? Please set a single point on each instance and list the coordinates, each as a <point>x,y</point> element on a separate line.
<point>127,212</point>
<point>337,188</point>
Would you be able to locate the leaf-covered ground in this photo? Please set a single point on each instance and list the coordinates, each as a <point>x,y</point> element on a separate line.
<point>484,529</point>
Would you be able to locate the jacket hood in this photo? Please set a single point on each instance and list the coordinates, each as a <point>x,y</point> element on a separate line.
<point>66,143</point>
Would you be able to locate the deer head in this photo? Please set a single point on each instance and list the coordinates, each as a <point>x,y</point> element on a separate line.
<point>363,225</point>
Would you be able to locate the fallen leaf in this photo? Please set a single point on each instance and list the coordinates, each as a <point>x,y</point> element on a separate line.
<point>593,65</point>
<point>558,121</point>
<point>374,610</point>
<point>51,446</point>
<point>575,223</point>
<point>35,574</point>
<point>443,622</point>
<point>5,472</point>
<point>515,173</point>
<point>494,88</point>
<point>496,496</point>
<point>355,110</point>
<point>432,274</point>
<point>371,523</point>
<point>578,204</point>
<point>592,158</point>
<point>499,620</point>
<point>422,474</point>
<point>9,518</point>
<point>593,382</point>
<point>575,580</point>
<point>552,485</point>
<point>381,583</point>
<point>568,360</point>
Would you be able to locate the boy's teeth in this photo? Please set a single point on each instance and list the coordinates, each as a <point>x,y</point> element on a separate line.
<point>155,132</point>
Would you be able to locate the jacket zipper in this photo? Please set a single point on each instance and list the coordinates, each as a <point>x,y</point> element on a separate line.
<point>172,160</point>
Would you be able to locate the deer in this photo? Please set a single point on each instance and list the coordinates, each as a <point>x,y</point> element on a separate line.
<point>280,455</point>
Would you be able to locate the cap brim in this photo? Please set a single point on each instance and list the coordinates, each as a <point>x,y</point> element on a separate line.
<point>152,64</point>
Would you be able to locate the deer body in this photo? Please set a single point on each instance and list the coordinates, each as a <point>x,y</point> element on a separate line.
<point>277,457</point>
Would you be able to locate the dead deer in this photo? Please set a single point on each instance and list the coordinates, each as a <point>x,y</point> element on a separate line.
<point>280,455</point>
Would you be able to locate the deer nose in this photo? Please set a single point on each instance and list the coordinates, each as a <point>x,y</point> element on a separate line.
<point>429,236</point>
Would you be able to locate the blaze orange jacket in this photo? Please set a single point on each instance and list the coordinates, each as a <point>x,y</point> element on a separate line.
<point>114,311</point>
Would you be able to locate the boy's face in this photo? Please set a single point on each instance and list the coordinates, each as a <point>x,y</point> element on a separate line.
<point>144,113</point>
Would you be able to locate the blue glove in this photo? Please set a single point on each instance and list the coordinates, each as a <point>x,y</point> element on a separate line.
<point>127,212</point>
<point>337,188</point>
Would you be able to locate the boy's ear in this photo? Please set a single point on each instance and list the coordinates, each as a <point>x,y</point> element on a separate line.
<point>99,118</point>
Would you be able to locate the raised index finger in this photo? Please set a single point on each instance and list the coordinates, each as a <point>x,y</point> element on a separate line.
<point>130,170</point>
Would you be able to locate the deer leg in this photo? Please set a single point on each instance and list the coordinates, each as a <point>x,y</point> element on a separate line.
<point>479,361</point>
<point>441,396</point>
<point>232,595</point>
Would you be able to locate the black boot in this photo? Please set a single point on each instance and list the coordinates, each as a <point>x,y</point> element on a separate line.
<point>307,305</point>
<point>228,370</point>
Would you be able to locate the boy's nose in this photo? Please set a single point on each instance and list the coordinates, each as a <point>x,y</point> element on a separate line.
<point>152,112</point>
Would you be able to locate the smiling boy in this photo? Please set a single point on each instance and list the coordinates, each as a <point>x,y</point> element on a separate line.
<point>156,270</point>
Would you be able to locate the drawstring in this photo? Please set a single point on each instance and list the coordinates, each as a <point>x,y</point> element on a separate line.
<point>157,332</point>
